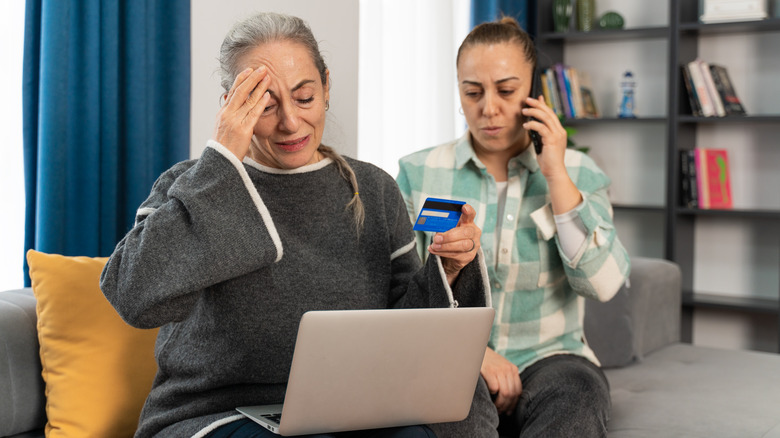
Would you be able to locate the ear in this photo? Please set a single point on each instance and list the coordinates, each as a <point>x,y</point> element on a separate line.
<point>326,85</point>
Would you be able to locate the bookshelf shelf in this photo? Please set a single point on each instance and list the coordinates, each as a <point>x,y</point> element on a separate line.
<point>601,35</point>
<point>737,213</point>
<point>693,28</point>
<point>646,166</point>
<point>729,119</point>
<point>605,120</point>
<point>644,208</point>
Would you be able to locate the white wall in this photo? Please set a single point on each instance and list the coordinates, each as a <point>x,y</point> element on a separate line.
<point>408,82</point>
<point>334,24</point>
<point>12,164</point>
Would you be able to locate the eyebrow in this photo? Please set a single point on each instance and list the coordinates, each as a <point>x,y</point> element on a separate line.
<point>467,82</point>
<point>296,87</point>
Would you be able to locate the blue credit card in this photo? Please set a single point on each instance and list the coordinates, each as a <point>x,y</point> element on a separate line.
<point>439,215</point>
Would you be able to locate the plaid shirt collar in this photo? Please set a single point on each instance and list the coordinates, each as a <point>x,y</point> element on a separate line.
<point>464,153</point>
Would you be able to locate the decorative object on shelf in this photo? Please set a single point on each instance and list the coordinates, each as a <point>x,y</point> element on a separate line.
<point>721,11</point>
<point>562,15</point>
<point>611,20</point>
<point>627,104</point>
<point>586,11</point>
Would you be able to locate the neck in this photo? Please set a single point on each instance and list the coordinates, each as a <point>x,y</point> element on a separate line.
<point>497,161</point>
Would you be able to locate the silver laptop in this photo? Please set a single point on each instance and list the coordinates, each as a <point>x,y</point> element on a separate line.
<point>368,369</point>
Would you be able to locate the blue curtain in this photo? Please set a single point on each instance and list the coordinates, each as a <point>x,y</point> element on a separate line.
<point>106,102</point>
<point>490,10</point>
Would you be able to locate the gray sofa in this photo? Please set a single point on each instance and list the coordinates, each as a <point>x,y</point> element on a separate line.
<point>660,387</point>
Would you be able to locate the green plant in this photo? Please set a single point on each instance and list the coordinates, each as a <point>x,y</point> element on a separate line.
<point>569,141</point>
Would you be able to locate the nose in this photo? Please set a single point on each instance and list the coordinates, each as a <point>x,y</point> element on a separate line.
<point>490,106</point>
<point>288,118</point>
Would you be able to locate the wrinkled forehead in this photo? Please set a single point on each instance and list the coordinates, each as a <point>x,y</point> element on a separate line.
<point>288,63</point>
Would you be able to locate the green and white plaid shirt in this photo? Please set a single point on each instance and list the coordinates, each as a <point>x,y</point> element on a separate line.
<point>537,291</point>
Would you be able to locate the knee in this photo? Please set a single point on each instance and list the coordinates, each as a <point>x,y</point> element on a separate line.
<point>580,380</point>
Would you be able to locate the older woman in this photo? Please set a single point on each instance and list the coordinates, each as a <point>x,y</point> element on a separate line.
<point>548,239</point>
<point>229,250</point>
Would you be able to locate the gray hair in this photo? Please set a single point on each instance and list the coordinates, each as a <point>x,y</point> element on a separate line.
<point>268,27</point>
<point>260,29</point>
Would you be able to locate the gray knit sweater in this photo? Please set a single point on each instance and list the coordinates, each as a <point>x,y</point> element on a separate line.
<point>226,256</point>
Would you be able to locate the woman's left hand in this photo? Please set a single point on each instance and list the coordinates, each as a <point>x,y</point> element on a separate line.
<point>551,131</point>
<point>459,246</point>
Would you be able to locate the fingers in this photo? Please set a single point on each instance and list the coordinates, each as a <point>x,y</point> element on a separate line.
<point>463,238</point>
<point>249,88</point>
<point>503,381</point>
<point>244,103</point>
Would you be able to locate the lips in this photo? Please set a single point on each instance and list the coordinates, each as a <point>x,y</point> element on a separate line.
<point>294,145</point>
<point>492,130</point>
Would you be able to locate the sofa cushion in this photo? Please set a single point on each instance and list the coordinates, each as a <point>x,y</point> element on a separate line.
<point>21,385</point>
<point>642,317</point>
<point>689,391</point>
<point>98,370</point>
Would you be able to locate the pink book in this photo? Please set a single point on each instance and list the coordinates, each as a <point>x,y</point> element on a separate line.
<point>718,180</point>
<point>701,178</point>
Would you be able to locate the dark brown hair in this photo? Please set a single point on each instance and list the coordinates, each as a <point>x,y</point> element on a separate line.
<point>505,30</point>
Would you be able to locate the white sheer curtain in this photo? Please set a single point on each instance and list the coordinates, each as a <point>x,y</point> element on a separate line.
<point>11,164</point>
<point>407,94</point>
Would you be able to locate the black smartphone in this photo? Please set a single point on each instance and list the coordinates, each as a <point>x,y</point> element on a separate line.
<point>536,89</point>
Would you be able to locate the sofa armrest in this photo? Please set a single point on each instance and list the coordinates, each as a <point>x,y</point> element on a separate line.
<point>22,405</point>
<point>642,317</point>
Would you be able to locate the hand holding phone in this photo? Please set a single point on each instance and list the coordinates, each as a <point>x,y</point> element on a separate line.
<point>536,87</point>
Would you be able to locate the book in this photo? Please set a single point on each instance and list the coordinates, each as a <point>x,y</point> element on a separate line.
<point>702,95</point>
<point>563,90</point>
<point>713,179</point>
<point>731,103</point>
<point>692,187</point>
<point>685,192</point>
<point>721,11</point>
<point>688,189</point>
<point>576,92</point>
<point>555,99</point>
<point>713,92</point>
<point>693,100</point>
<point>589,107</point>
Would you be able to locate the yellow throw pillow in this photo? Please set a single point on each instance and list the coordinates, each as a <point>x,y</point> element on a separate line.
<point>98,370</point>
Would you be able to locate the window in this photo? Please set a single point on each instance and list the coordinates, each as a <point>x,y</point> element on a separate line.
<point>11,164</point>
<point>407,92</point>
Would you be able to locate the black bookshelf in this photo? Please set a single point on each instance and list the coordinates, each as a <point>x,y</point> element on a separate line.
<point>683,34</point>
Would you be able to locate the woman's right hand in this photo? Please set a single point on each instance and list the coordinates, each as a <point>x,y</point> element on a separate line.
<point>503,381</point>
<point>241,109</point>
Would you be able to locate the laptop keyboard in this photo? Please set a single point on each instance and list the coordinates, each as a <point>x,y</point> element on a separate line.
<point>276,418</point>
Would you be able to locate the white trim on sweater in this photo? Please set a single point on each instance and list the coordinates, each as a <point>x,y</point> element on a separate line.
<point>213,426</point>
<point>253,193</point>
<point>403,250</point>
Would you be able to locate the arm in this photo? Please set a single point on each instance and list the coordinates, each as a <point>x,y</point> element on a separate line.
<point>202,224</point>
<point>462,280</point>
<point>601,264</point>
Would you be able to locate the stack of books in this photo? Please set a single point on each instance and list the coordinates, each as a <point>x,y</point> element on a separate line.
<point>721,11</point>
<point>568,92</point>
<point>710,91</point>
<point>704,179</point>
